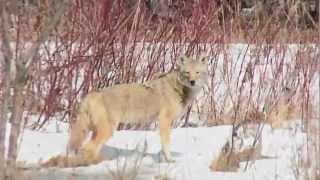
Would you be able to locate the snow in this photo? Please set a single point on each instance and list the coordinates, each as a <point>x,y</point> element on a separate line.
<point>192,148</point>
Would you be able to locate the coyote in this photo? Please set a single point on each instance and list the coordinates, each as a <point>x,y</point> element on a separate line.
<point>100,112</point>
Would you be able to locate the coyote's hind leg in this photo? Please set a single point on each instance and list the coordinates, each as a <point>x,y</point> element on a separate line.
<point>91,150</point>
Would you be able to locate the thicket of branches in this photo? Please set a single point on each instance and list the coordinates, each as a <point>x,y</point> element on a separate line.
<point>54,52</point>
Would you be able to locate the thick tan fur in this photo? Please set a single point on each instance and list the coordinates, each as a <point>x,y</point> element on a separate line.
<point>163,99</point>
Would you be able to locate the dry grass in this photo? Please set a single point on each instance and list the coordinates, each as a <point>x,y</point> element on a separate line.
<point>17,174</point>
<point>226,162</point>
<point>229,159</point>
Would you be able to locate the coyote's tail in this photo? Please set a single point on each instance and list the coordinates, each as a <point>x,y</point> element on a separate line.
<point>69,161</point>
<point>80,128</point>
<point>79,132</point>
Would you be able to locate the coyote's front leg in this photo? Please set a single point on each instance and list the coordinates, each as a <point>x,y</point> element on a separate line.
<point>166,119</point>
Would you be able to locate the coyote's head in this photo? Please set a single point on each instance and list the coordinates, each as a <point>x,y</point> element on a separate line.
<point>192,72</point>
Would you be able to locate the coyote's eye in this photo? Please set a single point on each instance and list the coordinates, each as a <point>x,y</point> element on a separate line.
<point>198,72</point>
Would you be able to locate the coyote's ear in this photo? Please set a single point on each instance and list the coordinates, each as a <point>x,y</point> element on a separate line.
<point>204,59</point>
<point>182,60</point>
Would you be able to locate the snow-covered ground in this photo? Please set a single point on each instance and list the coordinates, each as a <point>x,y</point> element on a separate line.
<point>192,148</point>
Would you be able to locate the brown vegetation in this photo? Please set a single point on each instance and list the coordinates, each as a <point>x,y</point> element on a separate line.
<point>229,159</point>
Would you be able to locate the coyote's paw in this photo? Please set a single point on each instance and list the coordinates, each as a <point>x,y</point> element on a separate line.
<point>168,157</point>
<point>170,160</point>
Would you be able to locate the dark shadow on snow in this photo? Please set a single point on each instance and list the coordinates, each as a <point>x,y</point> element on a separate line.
<point>110,152</point>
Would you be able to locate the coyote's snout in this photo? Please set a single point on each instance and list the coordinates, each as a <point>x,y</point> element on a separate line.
<point>163,99</point>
